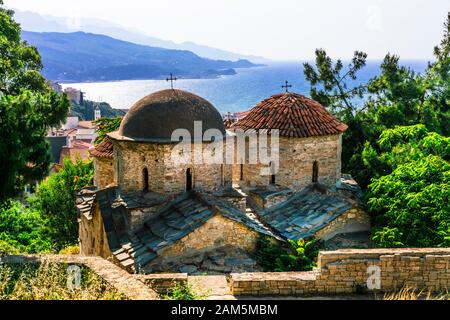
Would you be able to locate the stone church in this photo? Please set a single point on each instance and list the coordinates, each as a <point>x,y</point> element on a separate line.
<point>150,213</point>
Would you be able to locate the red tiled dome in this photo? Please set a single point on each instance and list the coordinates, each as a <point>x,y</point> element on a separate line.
<point>294,115</point>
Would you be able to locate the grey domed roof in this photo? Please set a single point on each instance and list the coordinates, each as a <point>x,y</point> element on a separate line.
<point>156,116</point>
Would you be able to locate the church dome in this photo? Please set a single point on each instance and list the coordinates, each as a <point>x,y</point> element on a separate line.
<point>156,116</point>
<point>294,115</point>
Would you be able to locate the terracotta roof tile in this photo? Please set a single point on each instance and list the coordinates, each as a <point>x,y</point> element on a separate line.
<point>103,150</point>
<point>228,123</point>
<point>293,114</point>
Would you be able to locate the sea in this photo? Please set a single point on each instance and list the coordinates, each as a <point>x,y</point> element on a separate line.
<point>234,93</point>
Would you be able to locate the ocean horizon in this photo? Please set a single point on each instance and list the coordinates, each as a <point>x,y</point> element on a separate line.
<point>233,93</point>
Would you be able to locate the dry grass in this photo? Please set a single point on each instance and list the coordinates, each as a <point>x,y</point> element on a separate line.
<point>408,293</point>
<point>48,281</point>
<point>70,250</point>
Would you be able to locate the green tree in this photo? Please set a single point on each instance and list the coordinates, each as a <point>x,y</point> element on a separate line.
<point>397,96</point>
<point>106,125</point>
<point>408,199</point>
<point>28,108</point>
<point>21,230</point>
<point>55,201</point>
<point>330,82</point>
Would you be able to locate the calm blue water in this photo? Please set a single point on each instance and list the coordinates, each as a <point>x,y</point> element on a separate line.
<point>228,94</point>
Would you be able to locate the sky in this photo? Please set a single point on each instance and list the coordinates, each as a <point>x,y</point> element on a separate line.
<point>279,30</point>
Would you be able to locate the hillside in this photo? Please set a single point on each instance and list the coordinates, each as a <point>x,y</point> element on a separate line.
<point>85,111</point>
<point>79,56</point>
<point>36,22</point>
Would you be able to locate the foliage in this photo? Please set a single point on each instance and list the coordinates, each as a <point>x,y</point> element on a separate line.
<point>329,83</point>
<point>7,249</point>
<point>55,201</point>
<point>106,125</point>
<point>48,281</point>
<point>28,108</point>
<point>185,291</point>
<point>409,196</point>
<point>397,96</point>
<point>21,230</point>
<point>299,255</point>
<point>74,249</point>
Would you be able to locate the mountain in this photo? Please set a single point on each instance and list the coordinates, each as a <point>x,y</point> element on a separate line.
<point>44,23</point>
<point>80,56</point>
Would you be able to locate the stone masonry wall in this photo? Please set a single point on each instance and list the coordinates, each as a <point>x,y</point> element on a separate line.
<point>92,235</point>
<point>216,232</point>
<point>165,174</point>
<point>346,271</point>
<point>353,220</point>
<point>103,172</point>
<point>296,159</point>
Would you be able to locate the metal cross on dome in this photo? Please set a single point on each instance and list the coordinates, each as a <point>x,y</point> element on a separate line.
<point>286,86</point>
<point>171,79</point>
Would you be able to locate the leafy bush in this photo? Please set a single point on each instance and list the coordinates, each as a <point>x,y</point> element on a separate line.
<point>408,199</point>
<point>21,230</point>
<point>75,249</point>
<point>106,125</point>
<point>55,201</point>
<point>185,291</point>
<point>299,255</point>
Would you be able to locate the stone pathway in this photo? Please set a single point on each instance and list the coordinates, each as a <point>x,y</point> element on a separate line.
<point>215,287</point>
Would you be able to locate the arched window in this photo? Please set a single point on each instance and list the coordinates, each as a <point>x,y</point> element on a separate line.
<point>145,179</point>
<point>272,173</point>
<point>315,175</point>
<point>189,184</point>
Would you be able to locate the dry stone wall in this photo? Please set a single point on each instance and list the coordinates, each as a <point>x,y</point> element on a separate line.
<point>355,271</point>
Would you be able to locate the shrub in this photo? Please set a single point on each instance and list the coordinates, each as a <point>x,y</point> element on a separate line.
<point>21,230</point>
<point>55,201</point>
<point>75,249</point>
<point>185,291</point>
<point>300,255</point>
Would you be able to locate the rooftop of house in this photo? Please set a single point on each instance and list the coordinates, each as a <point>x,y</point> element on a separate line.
<point>294,115</point>
<point>300,216</point>
<point>104,149</point>
<point>176,219</point>
<point>155,117</point>
<point>77,149</point>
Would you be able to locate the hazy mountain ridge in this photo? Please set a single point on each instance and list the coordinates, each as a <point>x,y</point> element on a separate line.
<point>81,56</point>
<point>44,23</point>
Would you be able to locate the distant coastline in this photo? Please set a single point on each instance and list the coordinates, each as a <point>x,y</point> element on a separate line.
<point>163,77</point>
<point>235,93</point>
<point>87,57</point>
